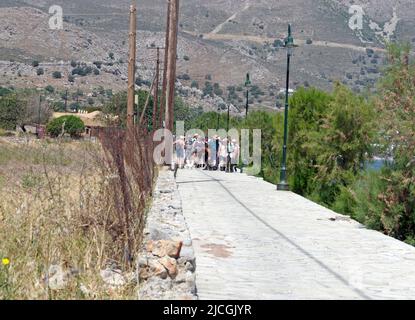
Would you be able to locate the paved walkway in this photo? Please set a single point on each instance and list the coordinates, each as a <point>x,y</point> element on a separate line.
<point>253,242</point>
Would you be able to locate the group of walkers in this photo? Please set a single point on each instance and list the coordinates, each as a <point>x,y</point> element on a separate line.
<point>212,153</point>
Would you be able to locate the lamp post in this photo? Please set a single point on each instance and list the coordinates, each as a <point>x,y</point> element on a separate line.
<point>217,124</point>
<point>247,86</point>
<point>227,119</point>
<point>228,159</point>
<point>289,45</point>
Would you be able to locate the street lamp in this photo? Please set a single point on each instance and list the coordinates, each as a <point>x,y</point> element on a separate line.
<point>227,119</point>
<point>247,85</point>
<point>228,159</point>
<point>289,45</point>
<point>217,124</point>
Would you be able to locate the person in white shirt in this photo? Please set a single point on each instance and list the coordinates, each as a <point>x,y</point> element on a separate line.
<point>180,144</point>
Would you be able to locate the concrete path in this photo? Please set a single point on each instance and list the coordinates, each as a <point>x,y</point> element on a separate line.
<point>253,242</point>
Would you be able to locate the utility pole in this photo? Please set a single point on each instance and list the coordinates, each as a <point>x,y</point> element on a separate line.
<point>156,90</point>
<point>166,57</point>
<point>131,65</point>
<point>66,100</point>
<point>38,116</point>
<point>171,64</point>
<point>247,86</point>
<point>157,117</point>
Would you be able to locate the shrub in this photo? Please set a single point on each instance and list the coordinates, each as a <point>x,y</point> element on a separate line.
<point>362,200</point>
<point>309,41</point>
<point>98,64</point>
<point>50,89</point>
<point>71,78</point>
<point>395,193</point>
<point>11,111</point>
<point>118,105</point>
<point>73,64</point>
<point>82,71</point>
<point>57,75</point>
<point>140,82</point>
<point>111,55</point>
<point>74,106</point>
<point>370,52</point>
<point>40,71</point>
<point>217,90</point>
<point>101,90</point>
<point>4,91</point>
<point>195,84</point>
<point>278,43</point>
<point>35,63</point>
<point>58,106</point>
<point>324,155</point>
<point>76,71</point>
<point>184,77</point>
<point>208,89</point>
<point>71,125</point>
<point>186,58</point>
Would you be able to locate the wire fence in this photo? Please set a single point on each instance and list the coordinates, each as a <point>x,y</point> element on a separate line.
<point>129,157</point>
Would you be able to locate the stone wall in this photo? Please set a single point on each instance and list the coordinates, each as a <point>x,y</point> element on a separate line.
<point>167,262</point>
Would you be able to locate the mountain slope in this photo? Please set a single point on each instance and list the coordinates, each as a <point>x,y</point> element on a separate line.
<point>218,39</point>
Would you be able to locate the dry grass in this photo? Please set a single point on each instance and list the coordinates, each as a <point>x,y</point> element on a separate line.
<point>57,208</point>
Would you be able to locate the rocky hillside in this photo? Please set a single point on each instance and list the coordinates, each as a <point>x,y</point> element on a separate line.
<point>219,41</point>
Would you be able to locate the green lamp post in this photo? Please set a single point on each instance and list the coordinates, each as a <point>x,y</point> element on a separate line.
<point>247,86</point>
<point>217,123</point>
<point>289,45</point>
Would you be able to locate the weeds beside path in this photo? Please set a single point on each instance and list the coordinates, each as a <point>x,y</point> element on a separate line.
<point>60,221</point>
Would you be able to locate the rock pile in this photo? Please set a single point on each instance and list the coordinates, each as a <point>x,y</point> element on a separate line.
<point>167,262</point>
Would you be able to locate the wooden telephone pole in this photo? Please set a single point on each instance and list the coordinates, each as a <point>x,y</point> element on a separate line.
<point>157,114</point>
<point>156,122</point>
<point>131,65</point>
<point>166,56</point>
<point>171,62</point>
